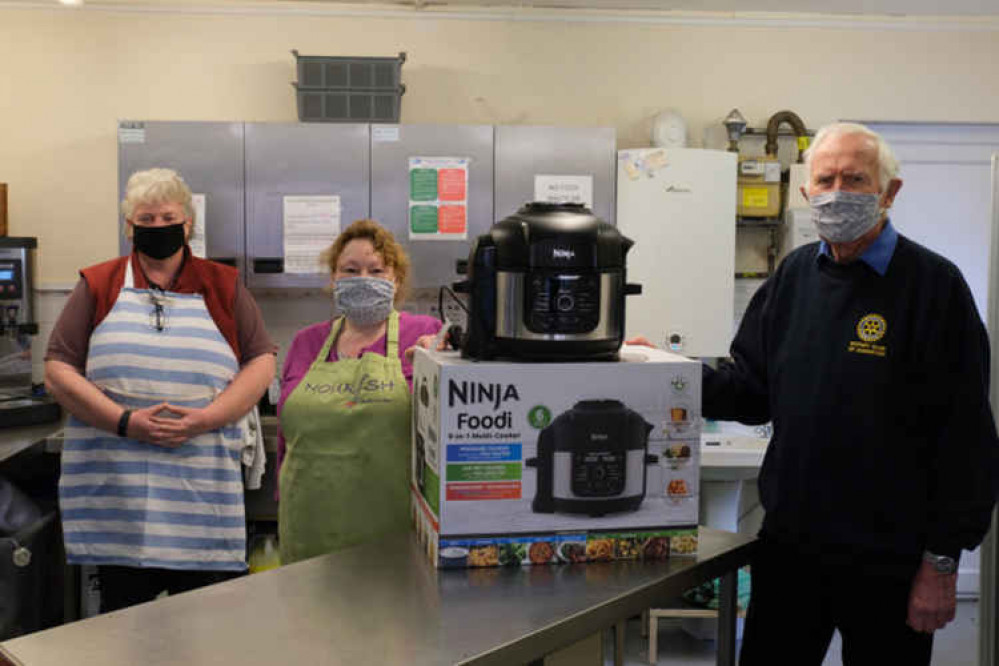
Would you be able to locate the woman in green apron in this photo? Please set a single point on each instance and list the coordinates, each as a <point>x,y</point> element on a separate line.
<point>344,438</point>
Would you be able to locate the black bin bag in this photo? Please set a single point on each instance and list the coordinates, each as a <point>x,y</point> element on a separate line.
<point>31,564</point>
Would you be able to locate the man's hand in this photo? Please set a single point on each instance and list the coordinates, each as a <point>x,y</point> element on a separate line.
<point>428,341</point>
<point>932,600</point>
<point>640,340</point>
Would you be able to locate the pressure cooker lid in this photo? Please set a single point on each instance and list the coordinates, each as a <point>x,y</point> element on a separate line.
<point>599,425</point>
<point>557,236</point>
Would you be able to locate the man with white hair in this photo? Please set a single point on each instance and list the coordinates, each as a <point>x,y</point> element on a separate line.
<point>869,356</point>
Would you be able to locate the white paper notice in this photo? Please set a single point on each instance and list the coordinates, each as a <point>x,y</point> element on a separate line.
<point>564,189</point>
<point>385,133</point>
<point>197,240</point>
<point>131,132</point>
<point>310,225</point>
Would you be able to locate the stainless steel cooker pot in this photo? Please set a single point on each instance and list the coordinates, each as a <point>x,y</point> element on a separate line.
<point>547,283</point>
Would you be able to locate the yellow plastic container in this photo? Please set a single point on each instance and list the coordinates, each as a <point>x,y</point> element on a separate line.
<point>759,187</point>
<point>264,553</point>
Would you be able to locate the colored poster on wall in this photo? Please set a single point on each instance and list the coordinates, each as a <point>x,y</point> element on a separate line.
<point>438,198</point>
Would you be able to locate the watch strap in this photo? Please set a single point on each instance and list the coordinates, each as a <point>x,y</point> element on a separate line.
<point>123,423</point>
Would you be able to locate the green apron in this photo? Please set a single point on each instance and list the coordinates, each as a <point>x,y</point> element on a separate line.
<point>344,479</point>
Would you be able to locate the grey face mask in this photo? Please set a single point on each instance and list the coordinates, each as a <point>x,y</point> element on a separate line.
<point>843,217</point>
<point>365,301</point>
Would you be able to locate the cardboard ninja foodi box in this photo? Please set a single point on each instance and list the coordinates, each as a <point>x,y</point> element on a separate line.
<point>537,463</point>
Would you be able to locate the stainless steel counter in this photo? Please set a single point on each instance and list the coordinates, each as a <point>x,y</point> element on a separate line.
<point>384,604</point>
<point>15,440</point>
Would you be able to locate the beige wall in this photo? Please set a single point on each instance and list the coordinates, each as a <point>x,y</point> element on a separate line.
<point>68,75</point>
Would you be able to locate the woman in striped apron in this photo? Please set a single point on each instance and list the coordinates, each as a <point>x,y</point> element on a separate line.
<point>161,403</point>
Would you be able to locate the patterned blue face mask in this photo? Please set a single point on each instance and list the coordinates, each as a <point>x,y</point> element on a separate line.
<point>843,217</point>
<point>365,301</point>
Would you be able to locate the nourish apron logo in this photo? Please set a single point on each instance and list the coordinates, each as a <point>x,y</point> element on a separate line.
<point>366,390</point>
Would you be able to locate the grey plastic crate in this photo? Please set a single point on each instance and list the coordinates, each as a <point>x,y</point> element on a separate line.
<point>349,73</point>
<point>324,105</point>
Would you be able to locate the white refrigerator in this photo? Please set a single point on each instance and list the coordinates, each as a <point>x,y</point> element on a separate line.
<point>678,205</point>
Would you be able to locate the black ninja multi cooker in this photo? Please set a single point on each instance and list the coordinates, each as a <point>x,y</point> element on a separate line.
<point>547,283</point>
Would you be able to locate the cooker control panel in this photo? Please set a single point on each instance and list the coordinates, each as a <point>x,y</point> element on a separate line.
<point>563,303</point>
<point>598,473</point>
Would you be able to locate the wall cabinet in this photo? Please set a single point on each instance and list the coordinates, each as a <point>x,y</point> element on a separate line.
<point>392,146</point>
<point>247,172</point>
<point>524,152</point>
<point>209,156</point>
<point>299,159</point>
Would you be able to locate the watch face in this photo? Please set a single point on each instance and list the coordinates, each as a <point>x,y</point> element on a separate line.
<point>943,563</point>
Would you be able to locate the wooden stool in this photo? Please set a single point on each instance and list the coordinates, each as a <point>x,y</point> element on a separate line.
<point>652,626</point>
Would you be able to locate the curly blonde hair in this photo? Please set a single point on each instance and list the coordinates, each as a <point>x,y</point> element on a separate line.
<point>385,244</point>
<point>155,186</point>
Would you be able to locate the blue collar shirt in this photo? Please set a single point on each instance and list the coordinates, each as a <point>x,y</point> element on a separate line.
<point>878,255</point>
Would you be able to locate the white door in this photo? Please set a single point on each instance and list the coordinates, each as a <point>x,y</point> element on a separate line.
<point>945,204</point>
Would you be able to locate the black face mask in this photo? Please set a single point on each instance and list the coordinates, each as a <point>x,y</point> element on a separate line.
<point>158,242</point>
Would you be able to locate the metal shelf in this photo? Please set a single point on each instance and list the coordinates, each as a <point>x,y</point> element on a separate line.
<point>758,222</point>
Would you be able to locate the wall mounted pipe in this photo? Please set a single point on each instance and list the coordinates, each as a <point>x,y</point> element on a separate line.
<point>791,118</point>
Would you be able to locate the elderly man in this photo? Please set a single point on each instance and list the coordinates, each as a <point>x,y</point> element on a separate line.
<point>869,356</point>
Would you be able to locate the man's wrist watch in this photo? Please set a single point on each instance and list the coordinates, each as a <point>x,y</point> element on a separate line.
<point>943,564</point>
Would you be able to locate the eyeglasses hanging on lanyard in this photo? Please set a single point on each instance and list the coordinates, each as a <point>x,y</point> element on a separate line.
<point>158,315</point>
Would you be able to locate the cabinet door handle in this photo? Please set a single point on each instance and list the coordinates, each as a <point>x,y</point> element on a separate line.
<point>268,265</point>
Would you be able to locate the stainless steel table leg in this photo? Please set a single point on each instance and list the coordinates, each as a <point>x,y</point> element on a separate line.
<point>726,618</point>
<point>71,598</point>
<point>619,643</point>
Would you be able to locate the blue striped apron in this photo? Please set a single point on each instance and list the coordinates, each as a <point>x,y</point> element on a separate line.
<point>125,502</point>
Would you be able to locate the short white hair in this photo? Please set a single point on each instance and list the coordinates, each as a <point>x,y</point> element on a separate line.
<point>156,186</point>
<point>887,162</point>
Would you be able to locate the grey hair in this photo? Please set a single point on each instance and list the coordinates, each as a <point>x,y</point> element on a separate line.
<point>888,166</point>
<point>156,186</point>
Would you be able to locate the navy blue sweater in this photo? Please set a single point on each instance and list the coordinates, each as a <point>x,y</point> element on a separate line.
<point>877,386</point>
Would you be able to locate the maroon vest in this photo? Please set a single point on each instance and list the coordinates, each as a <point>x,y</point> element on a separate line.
<point>216,283</point>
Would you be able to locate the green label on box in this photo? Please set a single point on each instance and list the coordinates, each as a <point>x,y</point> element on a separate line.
<point>423,185</point>
<point>484,472</point>
<point>539,416</point>
<point>423,219</point>
<point>432,489</point>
